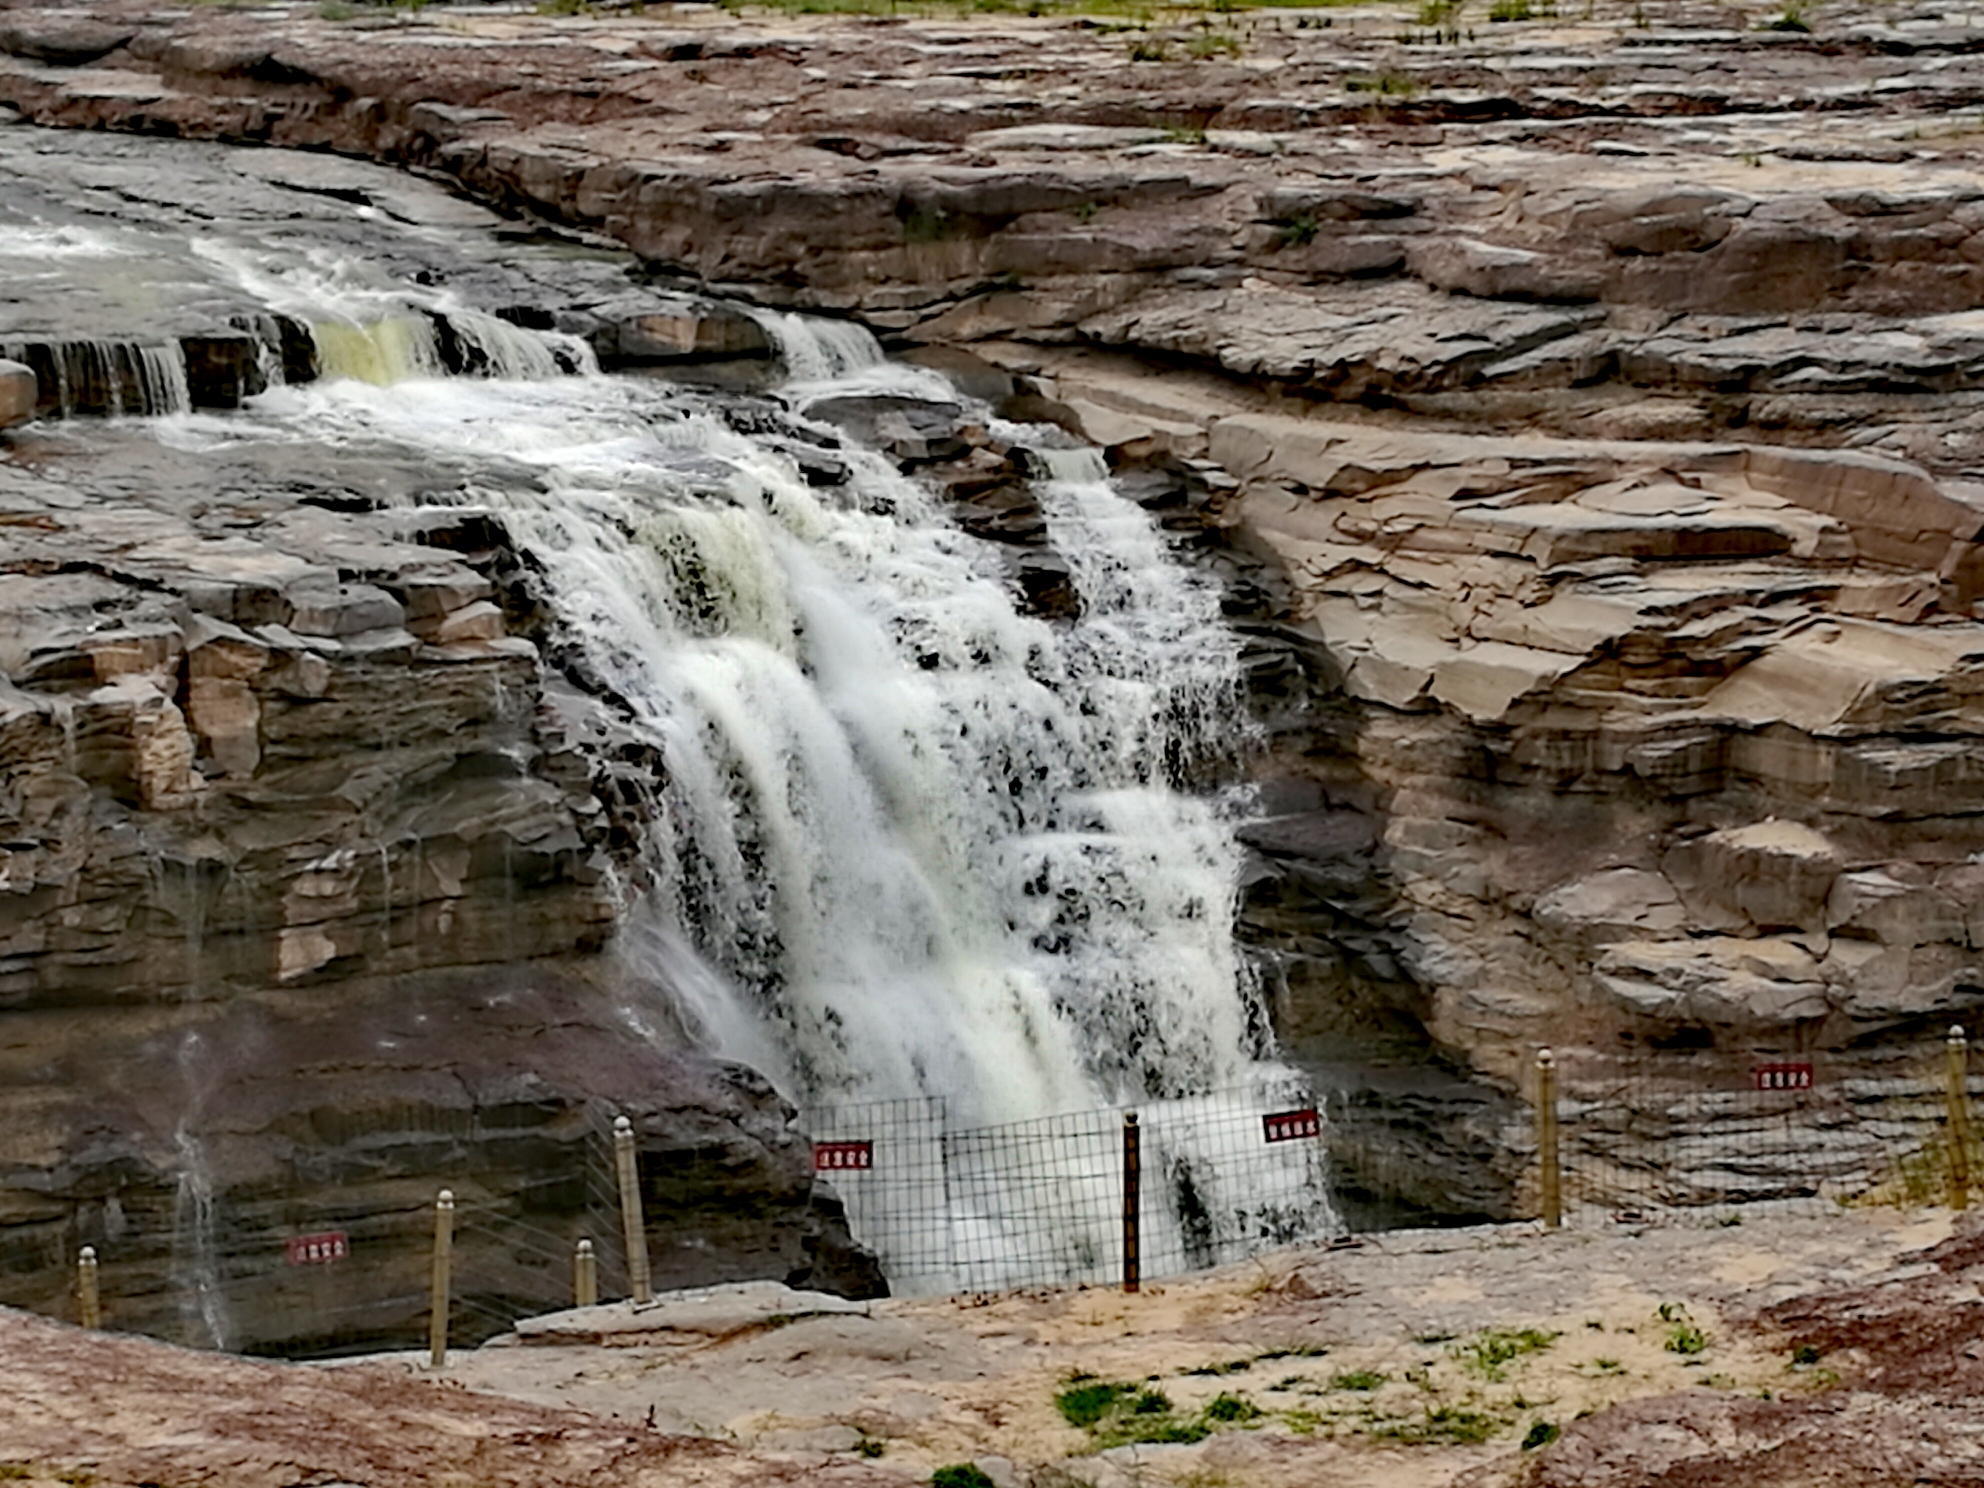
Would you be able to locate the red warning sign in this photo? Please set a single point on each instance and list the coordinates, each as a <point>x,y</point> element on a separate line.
<point>839,1157</point>
<point>1781,1077</point>
<point>317,1250</point>
<point>1291,1126</point>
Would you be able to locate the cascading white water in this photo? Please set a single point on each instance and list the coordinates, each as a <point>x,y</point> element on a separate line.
<point>911,839</point>
<point>111,377</point>
<point>914,830</point>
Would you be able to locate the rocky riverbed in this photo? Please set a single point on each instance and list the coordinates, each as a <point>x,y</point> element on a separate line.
<point>1579,411</point>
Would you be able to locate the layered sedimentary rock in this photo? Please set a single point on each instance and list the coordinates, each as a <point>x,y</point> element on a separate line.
<point>301,865</point>
<point>1640,224</point>
<point>1479,367</point>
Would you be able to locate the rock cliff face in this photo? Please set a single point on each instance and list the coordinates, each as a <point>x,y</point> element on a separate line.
<point>310,856</point>
<point>1582,414</point>
<point>301,867</point>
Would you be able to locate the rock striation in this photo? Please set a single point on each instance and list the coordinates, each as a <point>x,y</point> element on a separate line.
<point>1582,416</point>
<point>285,795</point>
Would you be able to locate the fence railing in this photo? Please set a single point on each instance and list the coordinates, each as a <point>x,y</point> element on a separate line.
<point>1095,1196</point>
<point>1115,1196</point>
<point>1698,1133</point>
<point>322,1262</point>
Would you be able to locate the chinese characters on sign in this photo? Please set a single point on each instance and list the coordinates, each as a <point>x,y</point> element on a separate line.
<point>1781,1077</point>
<point>840,1156</point>
<point>317,1250</point>
<point>1289,1126</point>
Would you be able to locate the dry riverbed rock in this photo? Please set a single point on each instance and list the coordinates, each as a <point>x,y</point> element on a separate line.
<point>1788,1350</point>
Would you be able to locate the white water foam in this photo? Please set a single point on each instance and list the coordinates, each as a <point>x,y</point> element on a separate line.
<point>912,840</point>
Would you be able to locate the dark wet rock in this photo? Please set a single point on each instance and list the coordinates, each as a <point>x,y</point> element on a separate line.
<point>917,431</point>
<point>61,40</point>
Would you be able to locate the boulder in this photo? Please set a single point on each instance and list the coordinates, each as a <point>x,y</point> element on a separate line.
<point>682,328</point>
<point>1743,987</point>
<point>1772,874</point>
<point>915,430</point>
<point>18,394</point>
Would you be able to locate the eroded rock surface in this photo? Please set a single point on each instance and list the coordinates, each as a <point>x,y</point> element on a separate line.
<point>1581,414</point>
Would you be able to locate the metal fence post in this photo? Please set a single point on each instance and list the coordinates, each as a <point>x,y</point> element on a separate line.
<point>1132,1203</point>
<point>631,1223</point>
<point>88,1299</point>
<point>585,1276</point>
<point>444,1247</point>
<point>1550,1181</point>
<point>1957,1096</point>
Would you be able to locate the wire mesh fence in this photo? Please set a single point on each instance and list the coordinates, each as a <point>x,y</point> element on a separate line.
<point>1701,1134</point>
<point>328,1250</point>
<point>1176,1185</point>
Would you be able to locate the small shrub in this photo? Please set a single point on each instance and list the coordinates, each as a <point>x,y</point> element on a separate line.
<point>1510,10</point>
<point>870,1446</point>
<point>1807,1354</point>
<point>1297,231</point>
<point>1683,1337</point>
<point>1359,1379</point>
<point>1540,1434</point>
<point>1213,44</point>
<point>1151,1403</point>
<point>1791,18</point>
<point>1146,49</point>
<point>1087,1401</point>
<point>960,1475</point>
<point>1492,1350</point>
<point>1228,1408</point>
<point>1385,85</point>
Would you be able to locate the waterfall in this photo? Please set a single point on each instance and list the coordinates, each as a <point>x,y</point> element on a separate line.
<point>907,838</point>
<point>924,841</point>
<point>107,377</point>
<point>196,1254</point>
<point>818,351</point>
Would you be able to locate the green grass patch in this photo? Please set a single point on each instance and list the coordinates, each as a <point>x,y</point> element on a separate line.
<point>1444,1425</point>
<point>1683,1335</point>
<point>1227,1408</point>
<point>960,1475</point>
<point>1384,84</point>
<point>1540,1434</point>
<point>1490,1352</point>
<point>1358,1379</point>
<point>1087,1400</point>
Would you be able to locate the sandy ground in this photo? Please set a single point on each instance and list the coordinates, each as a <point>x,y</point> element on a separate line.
<point>1413,1359</point>
<point>1371,1365</point>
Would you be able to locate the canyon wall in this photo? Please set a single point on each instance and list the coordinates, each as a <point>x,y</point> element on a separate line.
<point>1580,413</point>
